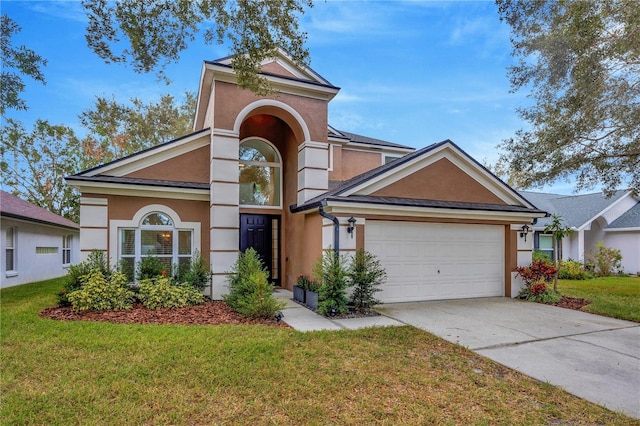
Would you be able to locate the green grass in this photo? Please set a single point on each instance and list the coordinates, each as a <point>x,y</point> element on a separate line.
<point>66,373</point>
<point>617,297</point>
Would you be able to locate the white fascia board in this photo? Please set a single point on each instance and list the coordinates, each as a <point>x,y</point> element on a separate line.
<point>432,212</point>
<point>130,190</point>
<point>587,224</point>
<point>42,223</point>
<point>153,156</point>
<point>204,93</point>
<point>636,229</point>
<point>280,84</point>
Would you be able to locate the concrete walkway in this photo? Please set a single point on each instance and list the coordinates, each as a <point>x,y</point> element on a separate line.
<point>591,356</point>
<point>303,319</point>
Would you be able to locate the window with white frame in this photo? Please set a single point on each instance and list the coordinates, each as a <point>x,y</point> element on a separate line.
<point>66,249</point>
<point>10,250</point>
<point>155,236</point>
<point>260,173</point>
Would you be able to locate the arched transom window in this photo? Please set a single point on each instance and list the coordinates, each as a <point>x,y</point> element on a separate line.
<point>260,173</point>
<point>155,236</point>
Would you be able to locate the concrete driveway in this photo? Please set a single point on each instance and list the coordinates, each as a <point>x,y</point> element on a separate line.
<point>594,357</point>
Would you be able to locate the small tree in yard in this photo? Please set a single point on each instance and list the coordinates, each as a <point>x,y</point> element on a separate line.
<point>559,231</point>
<point>606,260</point>
<point>250,293</point>
<point>366,275</point>
<point>329,270</point>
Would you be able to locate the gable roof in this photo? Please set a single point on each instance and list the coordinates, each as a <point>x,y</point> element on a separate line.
<point>629,219</point>
<point>353,137</point>
<point>14,207</point>
<point>356,189</point>
<point>576,210</point>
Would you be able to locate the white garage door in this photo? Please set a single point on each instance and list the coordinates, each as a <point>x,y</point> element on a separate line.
<point>430,261</point>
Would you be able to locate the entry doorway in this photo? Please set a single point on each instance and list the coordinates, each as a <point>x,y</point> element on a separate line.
<point>262,233</point>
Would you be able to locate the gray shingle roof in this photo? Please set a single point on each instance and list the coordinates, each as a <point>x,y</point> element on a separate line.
<point>14,207</point>
<point>353,137</point>
<point>575,210</point>
<point>630,219</point>
<point>139,181</point>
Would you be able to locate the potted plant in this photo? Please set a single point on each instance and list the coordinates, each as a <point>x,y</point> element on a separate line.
<point>299,289</point>
<point>311,295</point>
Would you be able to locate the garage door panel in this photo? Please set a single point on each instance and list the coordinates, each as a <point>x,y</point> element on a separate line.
<point>430,261</point>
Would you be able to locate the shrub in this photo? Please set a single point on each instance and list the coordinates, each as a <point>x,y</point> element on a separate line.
<point>572,270</point>
<point>250,293</point>
<point>159,292</point>
<point>150,267</point>
<point>329,270</point>
<point>606,260</point>
<point>366,275</point>
<point>539,270</point>
<point>539,255</point>
<point>303,282</point>
<point>96,261</point>
<point>538,291</point>
<point>195,273</point>
<point>99,293</point>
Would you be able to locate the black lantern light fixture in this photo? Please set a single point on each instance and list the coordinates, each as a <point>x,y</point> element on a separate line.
<point>524,231</point>
<point>352,225</point>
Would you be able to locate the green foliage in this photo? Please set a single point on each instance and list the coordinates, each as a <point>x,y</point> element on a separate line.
<point>150,35</point>
<point>539,292</point>
<point>250,293</point>
<point>366,275</point>
<point>96,261</point>
<point>580,61</point>
<point>160,292</point>
<point>16,62</point>
<point>606,260</point>
<point>101,294</point>
<point>539,270</point>
<point>572,270</point>
<point>330,272</point>
<point>307,283</point>
<point>538,255</point>
<point>196,273</point>
<point>151,267</point>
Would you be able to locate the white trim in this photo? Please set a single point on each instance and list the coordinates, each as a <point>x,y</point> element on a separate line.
<point>278,165</point>
<point>225,133</point>
<point>330,166</point>
<point>94,201</point>
<point>312,145</point>
<point>587,224</point>
<point>134,223</point>
<point>242,115</point>
<point>632,229</point>
<point>153,156</point>
<point>386,155</point>
<point>110,188</point>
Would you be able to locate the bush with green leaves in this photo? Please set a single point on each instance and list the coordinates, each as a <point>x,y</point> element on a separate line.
<point>606,260</point>
<point>151,267</point>
<point>160,292</point>
<point>538,255</point>
<point>100,293</point>
<point>96,261</point>
<point>331,273</point>
<point>195,272</point>
<point>366,275</point>
<point>572,270</point>
<point>539,292</point>
<point>250,293</point>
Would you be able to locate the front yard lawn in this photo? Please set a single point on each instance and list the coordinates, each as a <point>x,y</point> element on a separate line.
<point>617,297</point>
<point>56,372</point>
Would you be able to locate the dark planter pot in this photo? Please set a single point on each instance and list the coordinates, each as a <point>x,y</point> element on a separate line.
<point>298,294</point>
<point>312,299</point>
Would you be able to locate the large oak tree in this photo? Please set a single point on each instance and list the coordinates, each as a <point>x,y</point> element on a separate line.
<point>580,62</point>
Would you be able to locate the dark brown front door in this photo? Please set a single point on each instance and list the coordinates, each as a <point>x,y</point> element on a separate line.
<point>261,232</point>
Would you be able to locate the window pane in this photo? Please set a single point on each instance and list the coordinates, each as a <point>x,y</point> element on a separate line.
<point>9,260</point>
<point>259,185</point>
<point>184,242</point>
<point>157,219</point>
<point>10,237</point>
<point>127,242</point>
<point>156,242</point>
<point>545,242</point>
<point>257,150</point>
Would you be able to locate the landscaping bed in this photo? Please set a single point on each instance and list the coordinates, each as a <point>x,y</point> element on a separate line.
<point>574,303</point>
<point>209,313</point>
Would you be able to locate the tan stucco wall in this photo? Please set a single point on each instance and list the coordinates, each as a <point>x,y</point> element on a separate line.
<point>124,207</point>
<point>277,69</point>
<point>190,167</point>
<point>348,163</point>
<point>443,181</point>
<point>232,100</point>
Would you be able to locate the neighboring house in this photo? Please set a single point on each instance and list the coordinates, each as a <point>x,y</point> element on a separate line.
<point>270,173</point>
<point>615,221</point>
<point>36,244</point>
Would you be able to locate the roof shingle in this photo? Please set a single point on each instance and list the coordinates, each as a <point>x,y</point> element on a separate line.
<point>12,206</point>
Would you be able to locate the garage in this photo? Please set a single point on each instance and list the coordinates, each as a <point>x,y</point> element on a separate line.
<point>430,261</point>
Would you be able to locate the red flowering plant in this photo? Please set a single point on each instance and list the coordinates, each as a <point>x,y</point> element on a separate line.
<point>536,277</point>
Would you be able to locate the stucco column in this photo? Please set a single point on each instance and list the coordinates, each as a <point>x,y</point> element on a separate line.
<point>580,243</point>
<point>524,257</point>
<point>224,221</point>
<point>94,222</point>
<point>313,177</point>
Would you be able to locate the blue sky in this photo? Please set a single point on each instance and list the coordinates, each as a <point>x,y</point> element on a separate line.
<point>411,72</point>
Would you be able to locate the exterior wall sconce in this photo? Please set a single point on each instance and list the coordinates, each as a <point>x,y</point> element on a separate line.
<point>352,225</point>
<point>525,230</point>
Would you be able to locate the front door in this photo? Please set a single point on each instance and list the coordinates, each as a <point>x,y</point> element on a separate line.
<point>261,232</point>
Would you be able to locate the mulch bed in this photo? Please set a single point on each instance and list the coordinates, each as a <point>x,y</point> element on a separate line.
<point>210,313</point>
<point>574,303</point>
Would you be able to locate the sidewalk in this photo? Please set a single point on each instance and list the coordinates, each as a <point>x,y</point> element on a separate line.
<point>303,319</point>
